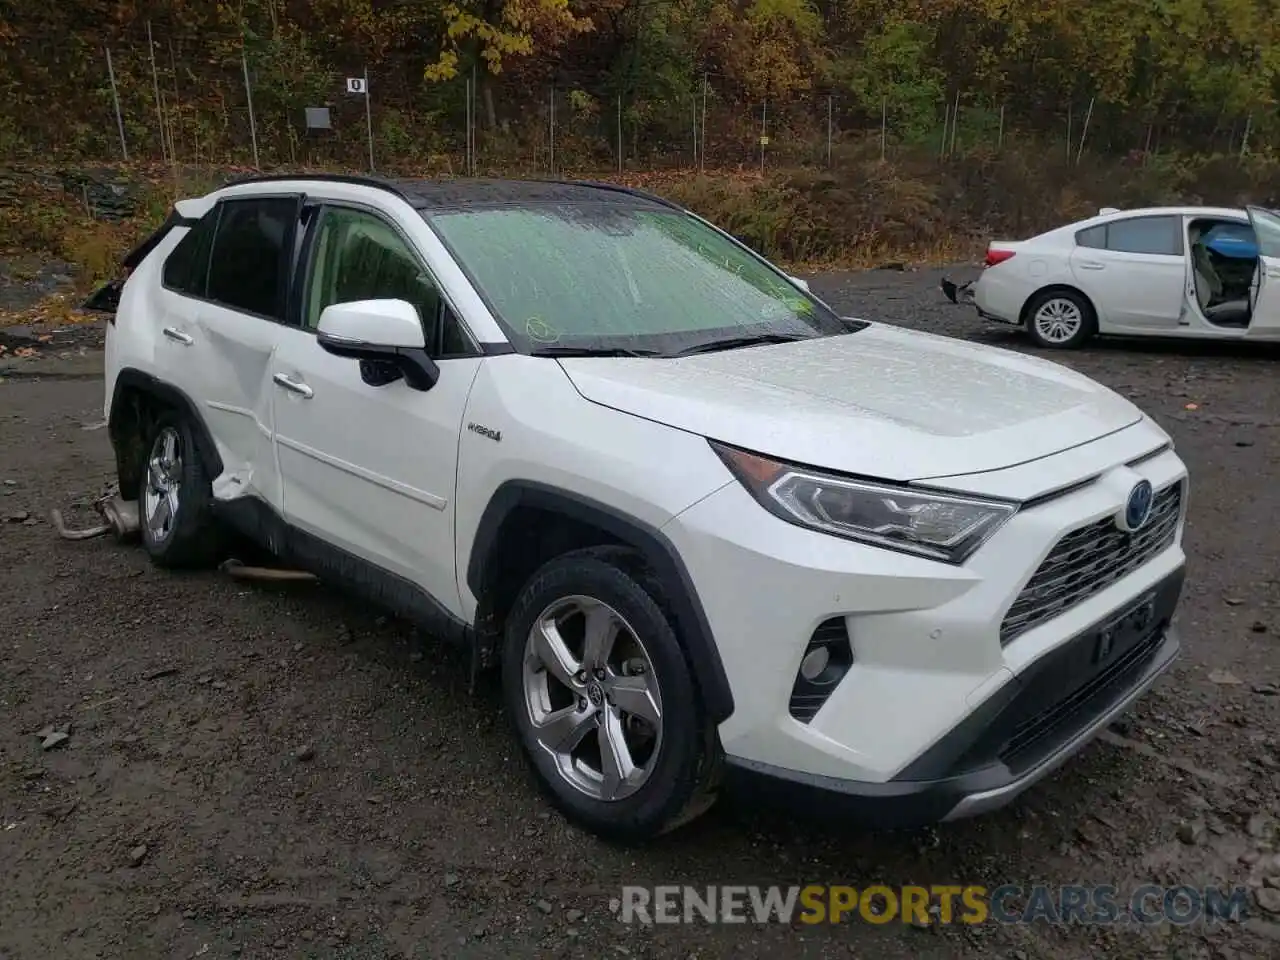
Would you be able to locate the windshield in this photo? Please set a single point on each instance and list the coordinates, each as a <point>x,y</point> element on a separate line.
<point>624,278</point>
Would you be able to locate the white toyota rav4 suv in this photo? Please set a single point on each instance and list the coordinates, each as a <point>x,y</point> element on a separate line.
<point>707,528</point>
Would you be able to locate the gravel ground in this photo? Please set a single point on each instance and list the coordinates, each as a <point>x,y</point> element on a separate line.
<point>265,771</point>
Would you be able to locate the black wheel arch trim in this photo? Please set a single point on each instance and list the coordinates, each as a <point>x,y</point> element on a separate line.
<point>694,629</point>
<point>132,378</point>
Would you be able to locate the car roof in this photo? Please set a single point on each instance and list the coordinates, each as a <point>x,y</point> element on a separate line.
<point>1118,214</point>
<point>452,194</point>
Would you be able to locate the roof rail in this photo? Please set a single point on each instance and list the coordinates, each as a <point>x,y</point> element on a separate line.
<point>354,179</point>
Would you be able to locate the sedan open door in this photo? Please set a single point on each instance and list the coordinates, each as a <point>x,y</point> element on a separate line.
<point>1265,294</point>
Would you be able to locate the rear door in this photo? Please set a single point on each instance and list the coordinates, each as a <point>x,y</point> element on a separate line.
<point>1265,295</point>
<point>1134,270</point>
<point>238,328</point>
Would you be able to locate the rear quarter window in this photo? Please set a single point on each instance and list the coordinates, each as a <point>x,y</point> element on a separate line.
<point>1095,238</point>
<point>186,269</point>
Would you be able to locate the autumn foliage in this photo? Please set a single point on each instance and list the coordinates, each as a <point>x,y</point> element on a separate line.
<point>819,130</point>
<point>1159,73</point>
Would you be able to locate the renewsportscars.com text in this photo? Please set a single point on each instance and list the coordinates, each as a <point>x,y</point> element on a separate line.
<point>965,904</point>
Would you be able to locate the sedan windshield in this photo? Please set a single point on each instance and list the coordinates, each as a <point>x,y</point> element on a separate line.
<point>624,279</point>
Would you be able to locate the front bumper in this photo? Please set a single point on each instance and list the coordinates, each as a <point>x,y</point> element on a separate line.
<point>1015,739</point>
<point>925,637</point>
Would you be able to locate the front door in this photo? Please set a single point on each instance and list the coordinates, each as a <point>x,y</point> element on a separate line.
<point>1265,294</point>
<point>372,469</point>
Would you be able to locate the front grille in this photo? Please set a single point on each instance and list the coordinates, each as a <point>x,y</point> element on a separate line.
<point>1089,560</point>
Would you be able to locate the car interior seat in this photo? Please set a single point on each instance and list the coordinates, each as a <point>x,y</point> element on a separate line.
<point>1209,290</point>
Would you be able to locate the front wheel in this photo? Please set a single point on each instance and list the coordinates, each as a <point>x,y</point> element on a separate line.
<point>1060,319</point>
<point>603,699</point>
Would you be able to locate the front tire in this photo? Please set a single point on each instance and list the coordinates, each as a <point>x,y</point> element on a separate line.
<point>174,503</point>
<point>603,700</point>
<point>1060,319</point>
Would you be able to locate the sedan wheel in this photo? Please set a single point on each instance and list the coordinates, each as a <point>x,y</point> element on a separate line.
<point>1060,319</point>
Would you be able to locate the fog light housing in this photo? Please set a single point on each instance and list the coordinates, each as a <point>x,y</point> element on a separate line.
<point>814,662</point>
<point>827,658</point>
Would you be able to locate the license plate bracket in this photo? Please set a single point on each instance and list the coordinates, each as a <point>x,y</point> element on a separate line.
<point>1121,631</point>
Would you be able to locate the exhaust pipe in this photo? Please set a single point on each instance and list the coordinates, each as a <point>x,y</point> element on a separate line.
<point>121,518</point>
<point>123,522</point>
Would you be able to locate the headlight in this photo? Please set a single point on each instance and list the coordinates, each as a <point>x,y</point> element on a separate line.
<point>935,525</point>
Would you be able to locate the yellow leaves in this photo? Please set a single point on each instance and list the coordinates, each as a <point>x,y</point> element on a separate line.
<point>445,68</point>
<point>518,28</point>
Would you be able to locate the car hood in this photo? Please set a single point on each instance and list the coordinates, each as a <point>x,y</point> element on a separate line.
<point>881,402</point>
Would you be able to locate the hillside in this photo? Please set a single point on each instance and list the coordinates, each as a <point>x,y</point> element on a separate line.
<point>851,132</point>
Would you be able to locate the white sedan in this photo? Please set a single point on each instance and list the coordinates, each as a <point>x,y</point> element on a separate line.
<point>1207,272</point>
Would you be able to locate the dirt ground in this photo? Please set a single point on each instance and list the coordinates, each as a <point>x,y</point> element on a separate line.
<point>264,771</point>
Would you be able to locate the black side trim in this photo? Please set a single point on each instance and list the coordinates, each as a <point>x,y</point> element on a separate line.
<point>496,349</point>
<point>132,379</point>
<point>658,551</point>
<point>260,523</point>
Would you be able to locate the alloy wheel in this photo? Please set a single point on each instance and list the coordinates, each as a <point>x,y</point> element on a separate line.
<point>592,697</point>
<point>1058,320</point>
<point>163,485</point>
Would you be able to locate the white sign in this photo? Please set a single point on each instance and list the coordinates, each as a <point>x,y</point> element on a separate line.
<point>357,85</point>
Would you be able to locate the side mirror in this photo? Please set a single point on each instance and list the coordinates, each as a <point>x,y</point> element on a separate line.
<point>802,284</point>
<point>385,336</point>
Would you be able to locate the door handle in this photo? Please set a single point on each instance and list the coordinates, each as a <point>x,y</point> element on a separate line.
<point>1091,265</point>
<point>173,333</point>
<point>294,386</point>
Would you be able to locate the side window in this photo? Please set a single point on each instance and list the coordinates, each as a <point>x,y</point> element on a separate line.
<point>249,261</point>
<point>1095,238</point>
<point>358,256</point>
<point>1266,227</point>
<point>1151,235</point>
<point>187,267</point>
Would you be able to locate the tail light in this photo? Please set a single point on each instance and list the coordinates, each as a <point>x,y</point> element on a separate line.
<point>997,256</point>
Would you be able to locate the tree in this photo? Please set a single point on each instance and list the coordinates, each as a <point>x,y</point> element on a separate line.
<point>493,32</point>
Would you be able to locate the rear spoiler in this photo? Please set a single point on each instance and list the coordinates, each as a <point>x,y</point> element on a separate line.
<point>106,299</point>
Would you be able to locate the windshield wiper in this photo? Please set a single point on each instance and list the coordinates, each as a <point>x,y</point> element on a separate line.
<point>592,352</point>
<point>729,343</point>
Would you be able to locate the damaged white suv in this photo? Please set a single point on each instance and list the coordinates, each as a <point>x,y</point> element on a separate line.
<point>706,527</point>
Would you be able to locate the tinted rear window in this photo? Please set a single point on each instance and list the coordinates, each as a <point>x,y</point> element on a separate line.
<point>1161,236</point>
<point>248,264</point>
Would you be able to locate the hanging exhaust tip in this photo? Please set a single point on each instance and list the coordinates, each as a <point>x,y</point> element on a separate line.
<point>122,515</point>
<point>238,570</point>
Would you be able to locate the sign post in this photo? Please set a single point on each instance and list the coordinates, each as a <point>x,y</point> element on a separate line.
<point>360,87</point>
